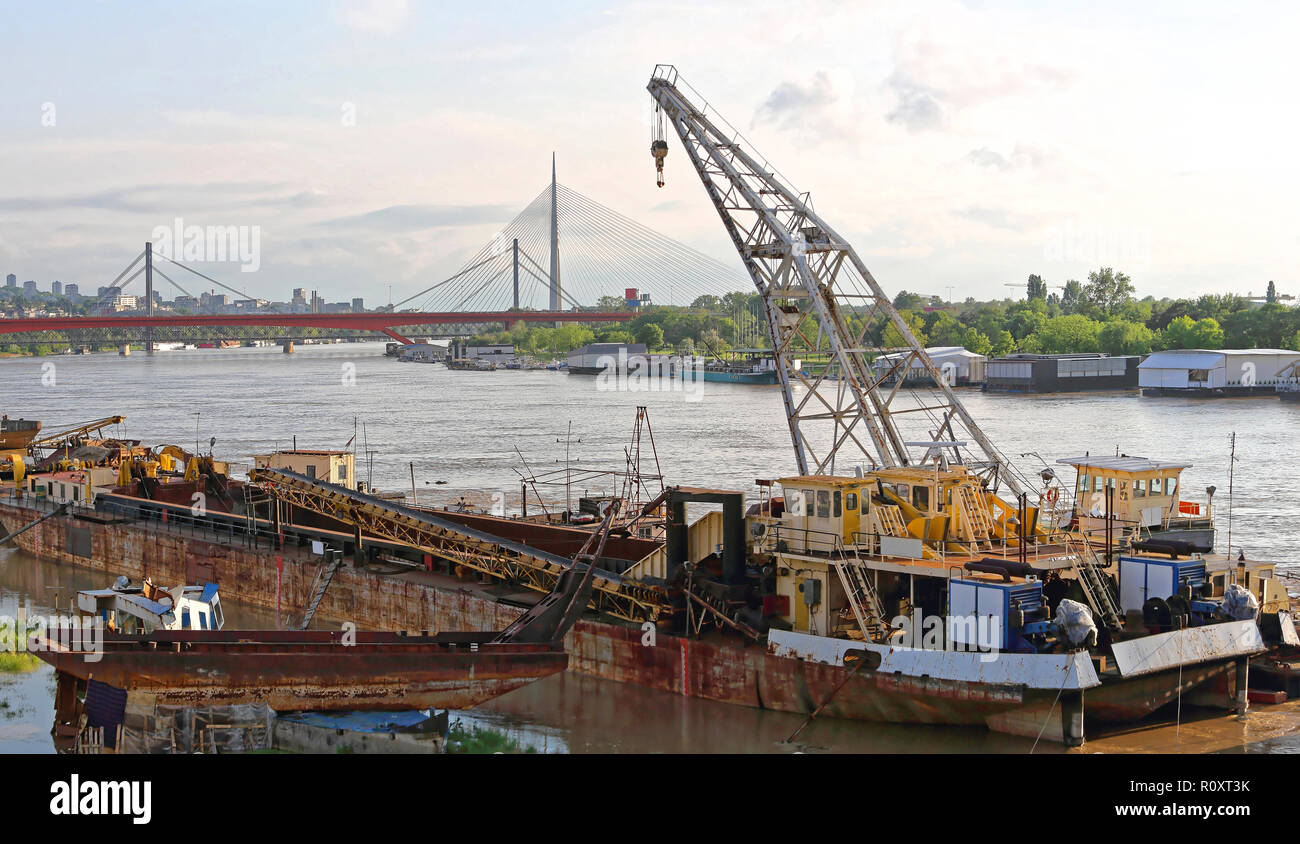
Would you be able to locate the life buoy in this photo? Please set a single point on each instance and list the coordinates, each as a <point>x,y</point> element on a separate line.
<point>1052,495</point>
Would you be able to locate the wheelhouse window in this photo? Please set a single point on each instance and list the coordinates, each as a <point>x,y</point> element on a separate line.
<point>809,502</point>
<point>851,502</point>
<point>837,510</point>
<point>1171,486</point>
<point>921,497</point>
<point>823,503</point>
<point>1140,488</point>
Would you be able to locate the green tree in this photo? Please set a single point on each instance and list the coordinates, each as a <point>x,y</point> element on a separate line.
<point>905,301</point>
<point>1003,344</point>
<point>892,339</point>
<point>617,335</point>
<point>1036,288</point>
<point>977,342</point>
<point>1125,338</point>
<point>570,337</point>
<point>1071,297</point>
<point>1107,291</point>
<point>1070,333</point>
<point>652,335</point>
<point>1187,333</point>
<point>1271,295</point>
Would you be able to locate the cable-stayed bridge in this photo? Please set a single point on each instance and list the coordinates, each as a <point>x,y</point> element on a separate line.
<point>563,258</point>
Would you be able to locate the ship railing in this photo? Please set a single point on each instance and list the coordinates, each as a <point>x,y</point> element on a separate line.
<point>182,520</point>
<point>43,504</point>
<point>1051,546</point>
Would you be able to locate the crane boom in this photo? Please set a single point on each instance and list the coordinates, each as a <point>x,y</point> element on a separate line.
<point>812,281</point>
<point>77,429</point>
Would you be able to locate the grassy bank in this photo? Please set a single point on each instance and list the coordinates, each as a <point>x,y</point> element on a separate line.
<point>17,663</point>
<point>479,740</point>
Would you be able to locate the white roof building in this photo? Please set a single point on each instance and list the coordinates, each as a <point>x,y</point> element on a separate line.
<point>963,365</point>
<point>1214,369</point>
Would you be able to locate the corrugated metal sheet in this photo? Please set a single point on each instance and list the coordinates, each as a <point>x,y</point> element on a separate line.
<point>1036,671</point>
<point>1187,647</point>
<point>705,536</point>
<point>1183,360</point>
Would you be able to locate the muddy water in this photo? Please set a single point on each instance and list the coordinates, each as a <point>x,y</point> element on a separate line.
<point>463,428</point>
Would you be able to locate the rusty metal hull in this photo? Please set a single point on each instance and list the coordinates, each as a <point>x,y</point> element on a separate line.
<point>715,668</point>
<point>311,670</point>
<point>873,696</point>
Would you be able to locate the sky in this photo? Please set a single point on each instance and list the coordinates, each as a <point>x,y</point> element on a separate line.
<point>376,145</point>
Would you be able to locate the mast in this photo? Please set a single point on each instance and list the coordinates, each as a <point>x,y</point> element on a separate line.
<point>555,243</point>
<point>814,287</point>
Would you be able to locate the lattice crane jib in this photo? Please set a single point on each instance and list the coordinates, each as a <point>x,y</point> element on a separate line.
<point>820,298</point>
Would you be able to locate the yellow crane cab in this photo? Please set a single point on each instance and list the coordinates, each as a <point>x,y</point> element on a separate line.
<point>928,507</point>
<point>1147,499</point>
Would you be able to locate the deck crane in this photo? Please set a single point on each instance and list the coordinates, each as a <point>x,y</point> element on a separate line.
<point>811,281</point>
<point>74,431</point>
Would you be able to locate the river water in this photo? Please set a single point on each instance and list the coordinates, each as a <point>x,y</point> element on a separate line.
<point>465,432</point>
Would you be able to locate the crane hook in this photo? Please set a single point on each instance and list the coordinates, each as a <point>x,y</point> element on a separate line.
<point>659,149</point>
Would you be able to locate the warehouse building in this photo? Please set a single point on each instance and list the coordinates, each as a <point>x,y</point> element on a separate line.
<point>1215,372</point>
<point>1026,373</point>
<point>960,367</point>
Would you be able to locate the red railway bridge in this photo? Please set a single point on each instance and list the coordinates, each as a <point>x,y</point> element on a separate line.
<point>377,322</point>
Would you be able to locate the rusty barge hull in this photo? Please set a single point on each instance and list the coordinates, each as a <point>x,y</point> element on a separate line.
<point>311,670</point>
<point>714,668</point>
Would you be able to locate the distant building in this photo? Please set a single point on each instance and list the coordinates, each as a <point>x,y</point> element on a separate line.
<point>1215,372</point>
<point>316,303</point>
<point>11,280</point>
<point>1026,373</point>
<point>962,367</point>
<point>358,305</point>
<point>56,288</point>
<point>595,358</point>
<point>29,287</point>
<point>299,296</point>
<point>185,302</point>
<point>71,290</point>
<point>125,302</point>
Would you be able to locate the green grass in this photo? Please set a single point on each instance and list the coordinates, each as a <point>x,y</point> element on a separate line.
<point>479,740</point>
<point>17,663</point>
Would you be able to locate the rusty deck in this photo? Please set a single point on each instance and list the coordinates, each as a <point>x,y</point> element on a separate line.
<point>294,670</point>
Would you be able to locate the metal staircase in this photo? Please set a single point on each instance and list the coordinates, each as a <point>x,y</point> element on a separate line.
<point>333,561</point>
<point>975,513</point>
<point>1094,583</point>
<point>891,520</point>
<point>862,595</point>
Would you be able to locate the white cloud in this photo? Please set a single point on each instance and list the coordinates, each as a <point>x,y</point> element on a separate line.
<point>379,17</point>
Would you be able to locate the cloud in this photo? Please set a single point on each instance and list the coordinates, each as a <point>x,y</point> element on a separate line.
<point>378,17</point>
<point>164,198</point>
<point>791,100</point>
<point>936,75</point>
<point>822,108</point>
<point>918,107</point>
<point>995,217</point>
<point>1021,156</point>
<point>417,217</point>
